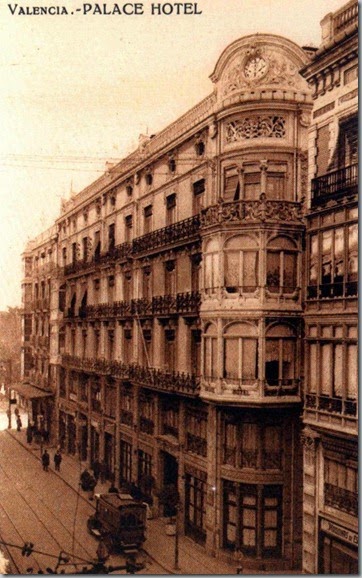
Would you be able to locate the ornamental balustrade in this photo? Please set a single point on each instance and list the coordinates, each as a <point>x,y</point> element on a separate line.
<point>341,498</point>
<point>333,290</point>
<point>169,381</point>
<point>187,302</point>
<point>335,405</point>
<point>251,388</point>
<point>334,183</point>
<point>345,17</point>
<point>259,210</point>
<point>180,231</point>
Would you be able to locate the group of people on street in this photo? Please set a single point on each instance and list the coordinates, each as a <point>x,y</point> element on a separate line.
<point>32,432</point>
<point>45,460</point>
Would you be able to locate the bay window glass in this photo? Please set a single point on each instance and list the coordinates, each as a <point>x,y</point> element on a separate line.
<point>241,264</point>
<point>252,188</point>
<point>313,266</point>
<point>240,353</point>
<point>280,356</point>
<point>275,185</point>
<point>211,265</point>
<point>352,259</point>
<point>210,352</point>
<point>352,371</point>
<point>281,265</point>
<point>313,367</point>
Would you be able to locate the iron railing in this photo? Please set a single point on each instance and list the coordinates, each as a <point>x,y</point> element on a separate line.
<point>333,184</point>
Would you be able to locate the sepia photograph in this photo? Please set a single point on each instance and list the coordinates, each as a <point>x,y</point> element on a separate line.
<point>179,287</point>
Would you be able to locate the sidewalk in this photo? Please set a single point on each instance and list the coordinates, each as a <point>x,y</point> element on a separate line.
<point>161,548</point>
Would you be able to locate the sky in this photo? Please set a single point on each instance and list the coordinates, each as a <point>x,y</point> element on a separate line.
<point>78,90</point>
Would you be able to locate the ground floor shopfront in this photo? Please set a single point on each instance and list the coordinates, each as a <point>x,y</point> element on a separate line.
<point>238,471</point>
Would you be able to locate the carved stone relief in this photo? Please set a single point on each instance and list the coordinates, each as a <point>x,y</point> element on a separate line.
<point>251,127</point>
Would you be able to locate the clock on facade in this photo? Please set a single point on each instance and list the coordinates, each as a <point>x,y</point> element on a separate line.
<point>255,67</point>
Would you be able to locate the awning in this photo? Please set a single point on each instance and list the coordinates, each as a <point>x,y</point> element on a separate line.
<point>30,391</point>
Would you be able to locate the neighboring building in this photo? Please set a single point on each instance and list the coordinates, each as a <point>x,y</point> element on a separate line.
<point>10,346</point>
<point>330,413</point>
<point>40,310</point>
<point>176,318</point>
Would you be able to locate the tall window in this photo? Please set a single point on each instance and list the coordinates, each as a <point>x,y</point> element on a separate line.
<point>147,219</point>
<point>240,354</point>
<point>170,277</point>
<point>241,265</point>
<point>85,248</point>
<point>281,266</point>
<point>97,245</point>
<point>111,237</point>
<point>195,506</point>
<point>146,282</point>
<point>210,353</point>
<point>127,285</point>
<point>253,519</point>
<point>231,184</point>
<point>170,349</point>
<point>252,185</point>
<point>128,222</point>
<point>170,418</point>
<point>127,345</point>
<point>211,265</point>
<point>198,195</point>
<point>171,209</point>
<point>125,473</point>
<point>280,356</point>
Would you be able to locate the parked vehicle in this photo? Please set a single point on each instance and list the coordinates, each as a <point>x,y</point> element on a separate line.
<point>120,521</point>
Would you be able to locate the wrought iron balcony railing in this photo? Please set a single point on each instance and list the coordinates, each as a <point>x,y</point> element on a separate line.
<point>334,405</point>
<point>180,231</point>
<point>181,303</point>
<point>335,184</point>
<point>341,499</point>
<point>158,379</point>
<point>333,290</point>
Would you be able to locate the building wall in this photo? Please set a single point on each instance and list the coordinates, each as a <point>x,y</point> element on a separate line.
<point>330,413</point>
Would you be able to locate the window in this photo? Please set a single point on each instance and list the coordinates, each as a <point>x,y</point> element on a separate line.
<point>210,353</point>
<point>149,179</point>
<point>170,418</point>
<point>196,431</point>
<point>146,282</point>
<point>253,519</point>
<point>211,265</point>
<point>85,248</point>
<point>147,219</point>
<point>280,356</point>
<point>231,184</point>
<point>252,185</point>
<point>111,237</point>
<point>146,347</point>
<point>74,252</point>
<point>198,195</point>
<point>170,350</point>
<point>96,399</point>
<point>128,221</point>
<point>125,474</point>
<point>64,256</point>
<point>195,355</point>
<point>195,506</point>
<point>170,277</point>
<point>127,345</point>
<point>172,165</point>
<point>341,485</point>
<point>144,467</point>
<point>275,185</point>
<point>110,344</point>
<point>241,265</point>
<point>171,209</point>
<point>240,354</point>
<point>97,245</point>
<point>127,285</point>
<point>200,148</point>
<point>350,74</point>
<point>146,412</point>
<point>281,266</point>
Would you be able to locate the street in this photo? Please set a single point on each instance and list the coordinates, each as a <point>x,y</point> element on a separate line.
<point>39,507</point>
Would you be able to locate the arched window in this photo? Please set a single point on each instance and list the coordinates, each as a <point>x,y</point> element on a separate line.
<point>210,352</point>
<point>282,255</point>
<point>211,265</point>
<point>241,265</point>
<point>280,355</point>
<point>241,354</point>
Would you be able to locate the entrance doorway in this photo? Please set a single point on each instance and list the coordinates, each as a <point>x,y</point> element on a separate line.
<point>170,478</point>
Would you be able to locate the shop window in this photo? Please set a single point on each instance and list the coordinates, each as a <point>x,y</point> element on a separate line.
<point>282,258</point>
<point>195,507</point>
<point>210,353</point>
<point>280,356</point>
<point>241,265</point>
<point>253,519</point>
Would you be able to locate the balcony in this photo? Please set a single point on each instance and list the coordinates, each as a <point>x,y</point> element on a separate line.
<point>334,185</point>
<point>182,303</point>
<point>254,211</point>
<point>251,391</point>
<point>185,230</point>
<point>329,411</point>
<point>118,253</point>
<point>158,379</point>
<point>333,290</point>
<point>341,499</point>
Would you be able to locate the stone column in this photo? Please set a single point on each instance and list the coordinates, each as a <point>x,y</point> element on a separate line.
<point>310,501</point>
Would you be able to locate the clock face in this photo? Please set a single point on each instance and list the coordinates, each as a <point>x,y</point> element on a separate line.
<point>255,67</point>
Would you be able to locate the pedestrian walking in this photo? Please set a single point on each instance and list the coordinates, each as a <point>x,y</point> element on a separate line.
<point>19,423</point>
<point>45,459</point>
<point>57,460</point>
<point>29,433</point>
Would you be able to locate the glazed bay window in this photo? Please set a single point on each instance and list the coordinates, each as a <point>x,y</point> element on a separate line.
<point>250,445</point>
<point>240,354</point>
<point>280,356</point>
<point>341,485</point>
<point>282,256</point>
<point>211,266</point>
<point>253,519</point>
<point>241,265</point>
<point>210,353</point>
